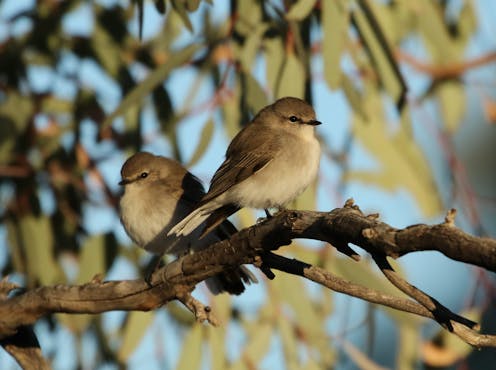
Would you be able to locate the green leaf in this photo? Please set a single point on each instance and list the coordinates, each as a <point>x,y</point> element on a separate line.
<point>17,109</point>
<point>433,29</point>
<point>335,20</point>
<point>289,344</point>
<point>255,96</point>
<point>107,50</point>
<point>300,10</point>
<point>231,112</point>
<point>156,77</point>
<point>37,240</point>
<point>274,59</point>
<point>249,13</point>
<point>180,8</point>
<point>205,138</point>
<point>301,305</point>
<point>257,345</point>
<point>137,324</point>
<point>380,53</point>
<point>408,343</point>
<point>91,258</point>
<point>53,104</point>
<point>192,5</point>
<point>452,100</point>
<point>91,262</point>
<point>216,340</point>
<point>292,79</point>
<point>354,96</point>
<point>191,354</point>
<point>251,46</point>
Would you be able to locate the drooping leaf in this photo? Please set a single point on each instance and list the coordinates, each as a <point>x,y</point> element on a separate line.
<point>91,263</point>
<point>380,52</point>
<point>192,5</point>
<point>274,60</point>
<point>180,8</point>
<point>257,345</point>
<point>255,96</point>
<point>91,258</point>
<point>251,46</point>
<point>289,344</point>
<point>335,20</point>
<point>249,13</point>
<point>37,240</point>
<point>300,10</point>
<point>191,354</point>
<point>432,27</point>
<point>451,95</point>
<point>293,78</point>
<point>216,343</point>
<point>354,96</point>
<point>106,49</point>
<point>205,138</point>
<point>135,328</point>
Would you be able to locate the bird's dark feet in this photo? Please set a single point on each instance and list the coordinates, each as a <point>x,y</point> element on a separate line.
<point>267,213</point>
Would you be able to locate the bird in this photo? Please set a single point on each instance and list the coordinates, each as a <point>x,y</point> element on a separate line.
<point>271,161</point>
<point>158,192</point>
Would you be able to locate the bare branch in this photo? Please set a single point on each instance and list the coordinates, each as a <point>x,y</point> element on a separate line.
<point>253,245</point>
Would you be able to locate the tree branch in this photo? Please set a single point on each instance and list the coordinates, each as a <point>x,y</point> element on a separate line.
<point>253,245</point>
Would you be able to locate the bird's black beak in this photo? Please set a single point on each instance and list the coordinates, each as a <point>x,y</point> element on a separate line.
<point>124,182</point>
<point>313,123</point>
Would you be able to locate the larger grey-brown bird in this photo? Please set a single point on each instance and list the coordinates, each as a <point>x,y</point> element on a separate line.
<point>158,193</point>
<point>269,163</point>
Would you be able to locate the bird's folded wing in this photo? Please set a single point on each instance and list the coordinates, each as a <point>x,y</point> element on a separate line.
<point>234,170</point>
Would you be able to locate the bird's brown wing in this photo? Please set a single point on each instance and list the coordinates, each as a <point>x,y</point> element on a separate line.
<point>234,170</point>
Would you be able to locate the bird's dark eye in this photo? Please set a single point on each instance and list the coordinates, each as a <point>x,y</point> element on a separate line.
<point>293,118</point>
<point>143,175</point>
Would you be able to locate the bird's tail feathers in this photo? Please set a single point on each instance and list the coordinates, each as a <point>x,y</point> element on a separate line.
<point>193,220</point>
<point>232,281</point>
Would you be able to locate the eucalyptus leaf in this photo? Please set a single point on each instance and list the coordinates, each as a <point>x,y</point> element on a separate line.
<point>380,53</point>
<point>191,354</point>
<point>335,20</point>
<point>289,344</point>
<point>91,258</point>
<point>300,10</point>
<point>205,138</point>
<point>274,60</point>
<point>179,7</point>
<point>451,95</point>
<point>136,325</point>
<point>255,96</point>
<point>293,78</point>
<point>37,240</point>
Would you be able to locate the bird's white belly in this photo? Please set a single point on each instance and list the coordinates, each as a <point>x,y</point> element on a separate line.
<point>282,180</point>
<point>148,226</point>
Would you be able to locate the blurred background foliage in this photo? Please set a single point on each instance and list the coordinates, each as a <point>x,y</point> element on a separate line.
<point>84,84</point>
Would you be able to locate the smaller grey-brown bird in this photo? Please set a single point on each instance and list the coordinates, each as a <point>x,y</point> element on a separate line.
<point>158,193</point>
